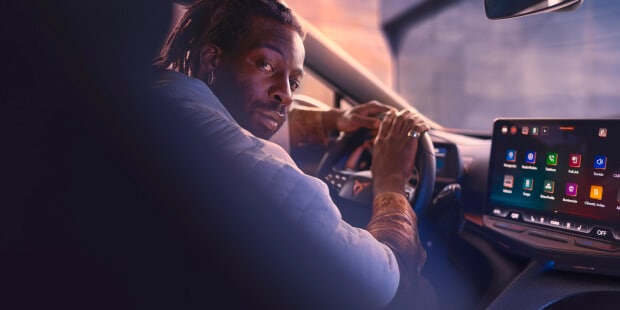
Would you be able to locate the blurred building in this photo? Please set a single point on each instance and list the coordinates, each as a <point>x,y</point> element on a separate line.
<point>355,25</point>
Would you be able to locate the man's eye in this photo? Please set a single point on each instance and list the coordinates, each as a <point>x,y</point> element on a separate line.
<point>265,66</point>
<point>294,85</point>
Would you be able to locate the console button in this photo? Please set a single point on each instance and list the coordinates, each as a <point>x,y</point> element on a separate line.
<point>582,228</point>
<point>591,244</point>
<point>509,226</point>
<point>570,225</point>
<point>499,212</point>
<point>602,233</point>
<point>548,235</point>
<point>516,216</point>
<point>543,220</point>
<point>531,218</point>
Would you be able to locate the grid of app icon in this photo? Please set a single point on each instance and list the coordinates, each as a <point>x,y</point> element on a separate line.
<point>552,159</point>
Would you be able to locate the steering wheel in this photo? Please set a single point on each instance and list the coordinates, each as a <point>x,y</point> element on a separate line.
<point>352,189</point>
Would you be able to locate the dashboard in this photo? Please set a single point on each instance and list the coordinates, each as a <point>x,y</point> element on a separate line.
<point>536,198</point>
<point>546,189</point>
<point>448,165</point>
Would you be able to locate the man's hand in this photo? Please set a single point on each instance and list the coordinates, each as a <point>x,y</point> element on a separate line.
<point>362,116</point>
<point>395,149</point>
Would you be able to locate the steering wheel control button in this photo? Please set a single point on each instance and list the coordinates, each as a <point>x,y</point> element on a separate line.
<point>409,191</point>
<point>548,235</point>
<point>335,180</point>
<point>509,226</point>
<point>596,245</point>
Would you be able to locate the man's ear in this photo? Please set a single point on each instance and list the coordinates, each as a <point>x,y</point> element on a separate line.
<point>210,57</point>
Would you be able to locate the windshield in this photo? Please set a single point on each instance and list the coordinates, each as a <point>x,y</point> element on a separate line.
<point>463,70</point>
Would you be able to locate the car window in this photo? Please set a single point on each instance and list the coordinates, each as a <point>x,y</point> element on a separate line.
<point>316,88</point>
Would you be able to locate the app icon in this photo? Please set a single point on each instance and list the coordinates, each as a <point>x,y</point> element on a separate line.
<point>508,181</point>
<point>534,131</point>
<point>600,162</point>
<point>528,184</point>
<point>552,159</point>
<point>596,192</point>
<point>571,189</point>
<point>513,130</point>
<point>530,157</point>
<point>544,130</point>
<point>618,196</point>
<point>548,186</point>
<point>511,155</point>
<point>602,132</point>
<point>525,130</point>
<point>574,160</point>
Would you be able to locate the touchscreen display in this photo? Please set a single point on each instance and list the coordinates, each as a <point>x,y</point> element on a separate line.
<point>563,173</point>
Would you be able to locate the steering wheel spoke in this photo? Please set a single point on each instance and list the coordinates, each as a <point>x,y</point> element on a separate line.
<point>349,187</point>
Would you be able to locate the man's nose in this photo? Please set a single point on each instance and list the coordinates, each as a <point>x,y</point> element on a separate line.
<point>282,93</point>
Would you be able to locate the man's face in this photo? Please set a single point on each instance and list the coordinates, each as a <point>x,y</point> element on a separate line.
<point>255,82</point>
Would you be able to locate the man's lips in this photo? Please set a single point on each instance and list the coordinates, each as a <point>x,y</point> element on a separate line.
<point>270,119</point>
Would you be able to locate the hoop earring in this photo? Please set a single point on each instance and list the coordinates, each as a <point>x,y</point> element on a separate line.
<point>210,78</point>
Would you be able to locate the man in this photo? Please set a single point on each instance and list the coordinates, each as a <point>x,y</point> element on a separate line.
<point>232,68</point>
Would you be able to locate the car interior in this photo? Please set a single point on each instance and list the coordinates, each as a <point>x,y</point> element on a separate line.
<point>101,205</point>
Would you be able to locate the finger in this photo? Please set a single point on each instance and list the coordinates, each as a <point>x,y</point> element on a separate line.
<point>411,127</point>
<point>372,108</point>
<point>421,126</point>
<point>376,103</point>
<point>365,122</point>
<point>386,125</point>
<point>399,123</point>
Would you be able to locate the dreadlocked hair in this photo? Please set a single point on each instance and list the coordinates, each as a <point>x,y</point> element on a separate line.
<point>220,22</point>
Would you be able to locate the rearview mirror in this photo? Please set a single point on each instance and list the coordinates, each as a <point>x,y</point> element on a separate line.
<point>500,9</point>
